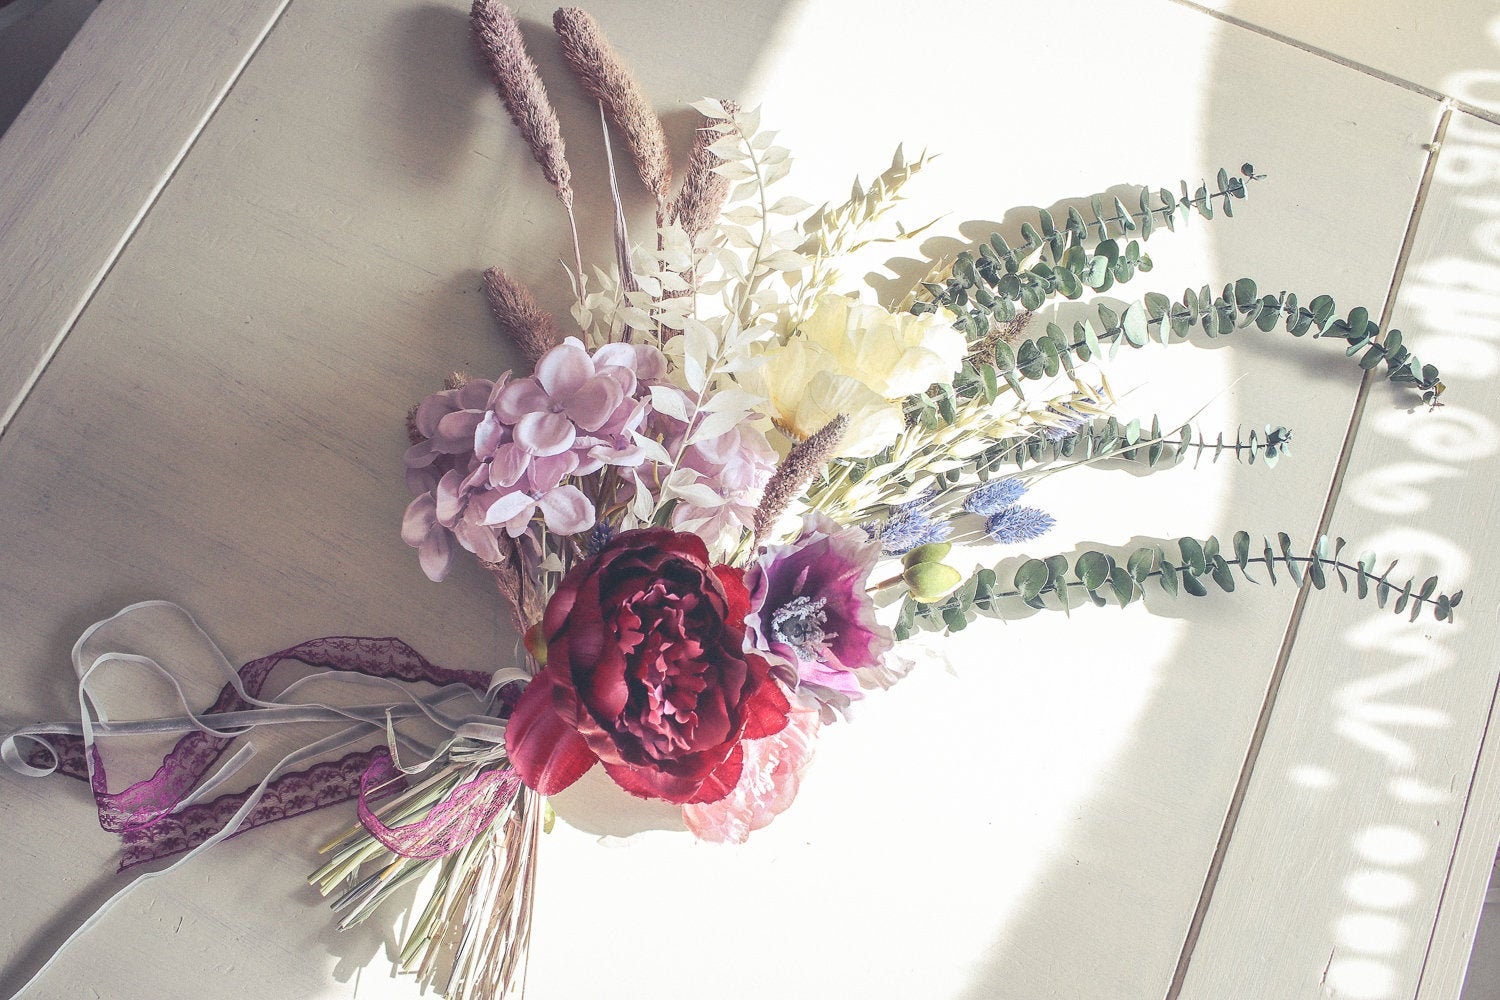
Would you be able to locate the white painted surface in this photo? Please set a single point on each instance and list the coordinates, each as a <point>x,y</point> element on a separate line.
<point>222,427</point>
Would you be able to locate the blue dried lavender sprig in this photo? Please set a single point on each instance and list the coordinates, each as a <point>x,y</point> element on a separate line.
<point>909,525</point>
<point>1018,524</point>
<point>994,496</point>
<point>599,537</point>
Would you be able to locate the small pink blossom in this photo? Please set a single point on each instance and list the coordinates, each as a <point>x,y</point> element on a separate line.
<point>768,782</point>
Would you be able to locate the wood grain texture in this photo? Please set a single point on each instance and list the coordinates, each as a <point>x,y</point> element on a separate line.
<point>91,150</point>
<point>1032,811</point>
<point>1365,845</point>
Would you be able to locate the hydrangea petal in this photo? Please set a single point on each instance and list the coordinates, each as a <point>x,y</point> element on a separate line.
<point>564,369</point>
<point>436,555</point>
<point>545,433</point>
<point>520,398</point>
<point>566,510</point>
<point>420,518</point>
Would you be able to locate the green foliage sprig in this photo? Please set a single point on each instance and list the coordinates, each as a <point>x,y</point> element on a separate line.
<point>1100,576</point>
<point>986,289</point>
<point>1238,306</point>
<point>995,280</point>
<point>1111,438</point>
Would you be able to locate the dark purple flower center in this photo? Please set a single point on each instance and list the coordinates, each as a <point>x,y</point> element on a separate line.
<point>799,623</point>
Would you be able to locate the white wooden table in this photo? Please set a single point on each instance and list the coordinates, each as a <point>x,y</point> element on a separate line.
<point>237,239</point>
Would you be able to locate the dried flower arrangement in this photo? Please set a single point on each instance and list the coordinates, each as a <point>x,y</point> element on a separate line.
<point>698,505</point>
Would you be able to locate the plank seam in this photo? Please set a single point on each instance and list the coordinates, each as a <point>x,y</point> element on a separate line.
<point>134,224</point>
<point>1294,621</point>
<point>1478,111</point>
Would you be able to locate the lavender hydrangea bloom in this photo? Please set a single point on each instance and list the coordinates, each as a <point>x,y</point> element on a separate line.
<point>811,613</point>
<point>1018,524</point>
<point>994,496</point>
<point>498,456</point>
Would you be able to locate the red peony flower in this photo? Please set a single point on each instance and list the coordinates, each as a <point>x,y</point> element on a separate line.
<point>647,674</point>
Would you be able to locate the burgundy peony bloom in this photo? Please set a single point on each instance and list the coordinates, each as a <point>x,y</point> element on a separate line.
<point>646,673</point>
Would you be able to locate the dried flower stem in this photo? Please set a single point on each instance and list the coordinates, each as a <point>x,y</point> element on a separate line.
<point>497,35</point>
<point>806,459</point>
<point>609,81</point>
<point>529,327</point>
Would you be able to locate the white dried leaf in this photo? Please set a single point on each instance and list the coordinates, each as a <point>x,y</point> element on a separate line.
<point>671,281</point>
<point>775,155</point>
<point>749,121</point>
<point>732,400</point>
<point>652,448</point>
<point>636,319</point>
<point>787,239</point>
<point>728,148</point>
<point>708,107</point>
<point>734,171</point>
<point>789,205</point>
<point>784,260</point>
<point>745,190</point>
<point>670,319</point>
<point>698,495</point>
<point>744,215</point>
<point>763,139</point>
<point>776,171</point>
<point>716,424</point>
<point>731,263</point>
<point>669,400</point>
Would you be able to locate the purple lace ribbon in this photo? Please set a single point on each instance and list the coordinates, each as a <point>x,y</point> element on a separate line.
<point>150,814</point>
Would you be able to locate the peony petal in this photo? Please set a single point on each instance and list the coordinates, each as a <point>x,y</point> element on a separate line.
<point>650,783</point>
<point>768,783</point>
<point>766,711</point>
<point>547,752</point>
<point>723,778</point>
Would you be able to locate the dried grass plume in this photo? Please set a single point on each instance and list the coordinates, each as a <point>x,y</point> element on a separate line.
<point>799,467</point>
<point>697,205</point>
<point>498,38</point>
<point>609,81</point>
<point>529,327</point>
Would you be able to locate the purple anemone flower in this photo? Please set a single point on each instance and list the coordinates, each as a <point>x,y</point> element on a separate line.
<point>810,610</point>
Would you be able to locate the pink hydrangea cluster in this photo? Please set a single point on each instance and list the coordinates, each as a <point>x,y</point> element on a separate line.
<point>503,457</point>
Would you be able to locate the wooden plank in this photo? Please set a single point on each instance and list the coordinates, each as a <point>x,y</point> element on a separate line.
<point>1448,49</point>
<point>222,428</point>
<point>1363,851</point>
<point>91,151</point>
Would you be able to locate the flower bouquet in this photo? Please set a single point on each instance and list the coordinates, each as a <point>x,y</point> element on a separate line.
<point>716,501</point>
